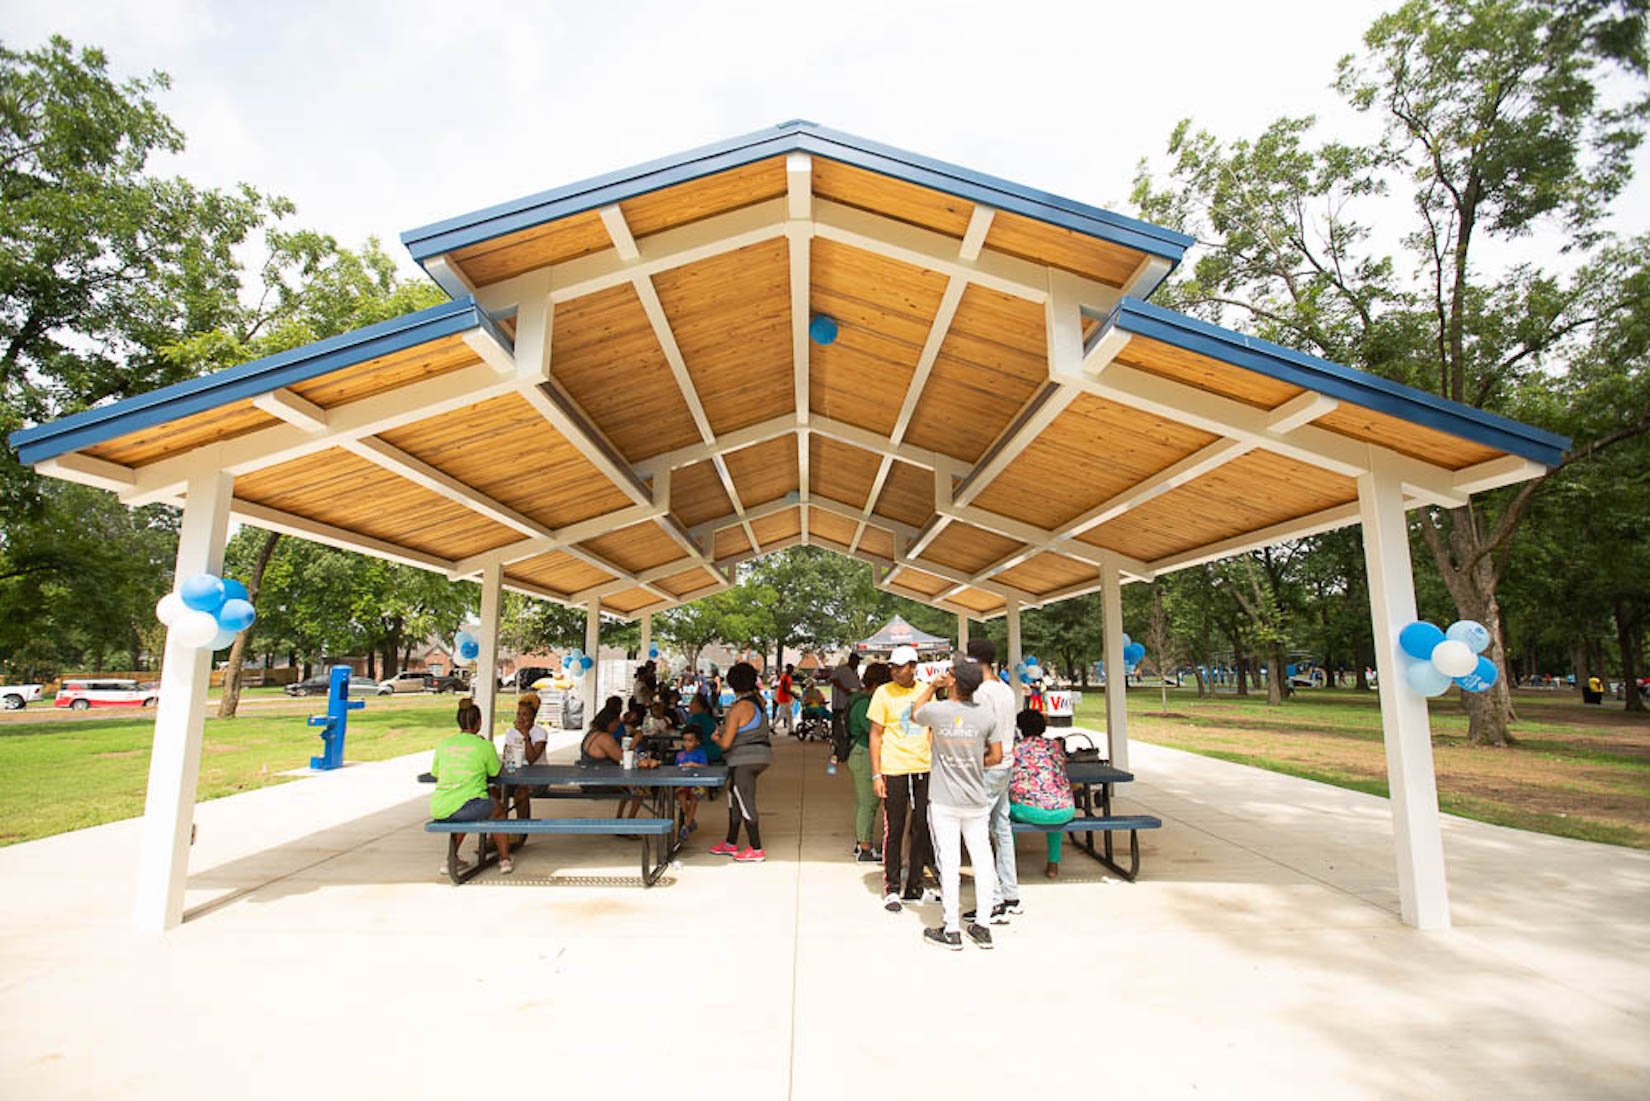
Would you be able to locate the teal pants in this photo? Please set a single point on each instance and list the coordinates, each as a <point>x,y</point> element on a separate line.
<point>1037,816</point>
<point>865,796</point>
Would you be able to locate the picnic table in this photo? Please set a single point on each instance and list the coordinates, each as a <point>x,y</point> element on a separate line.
<point>656,787</point>
<point>1089,780</point>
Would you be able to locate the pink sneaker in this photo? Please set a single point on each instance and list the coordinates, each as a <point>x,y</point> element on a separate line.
<point>724,849</point>
<point>751,856</point>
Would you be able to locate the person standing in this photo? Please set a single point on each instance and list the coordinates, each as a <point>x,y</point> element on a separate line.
<point>866,803</point>
<point>783,697</point>
<point>965,740</point>
<point>900,760</point>
<point>844,683</point>
<point>747,747</point>
<point>999,697</point>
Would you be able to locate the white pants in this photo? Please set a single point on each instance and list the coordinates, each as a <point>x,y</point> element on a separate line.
<point>949,826</point>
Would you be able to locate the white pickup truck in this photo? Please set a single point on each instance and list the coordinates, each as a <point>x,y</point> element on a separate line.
<point>13,697</point>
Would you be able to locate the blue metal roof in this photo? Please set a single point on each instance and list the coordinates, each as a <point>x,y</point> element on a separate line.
<point>1332,379</point>
<point>197,395</point>
<point>802,137</point>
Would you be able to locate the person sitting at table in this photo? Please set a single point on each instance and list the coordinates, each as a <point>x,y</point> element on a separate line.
<point>703,723</point>
<point>658,720</point>
<point>691,755</point>
<point>463,764</point>
<point>534,741</point>
<point>1039,791</point>
<point>601,747</point>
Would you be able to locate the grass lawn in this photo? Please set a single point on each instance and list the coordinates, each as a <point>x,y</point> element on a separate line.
<point>66,771</point>
<point>1576,772</point>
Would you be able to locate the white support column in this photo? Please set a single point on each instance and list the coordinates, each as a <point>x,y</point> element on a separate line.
<point>647,635</point>
<point>180,720</point>
<point>484,685</point>
<point>593,647</point>
<point>1015,654</point>
<point>1423,899</point>
<point>1117,674</point>
<point>962,633</point>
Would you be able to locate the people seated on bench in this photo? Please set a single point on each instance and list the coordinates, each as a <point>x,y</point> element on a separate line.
<point>703,723</point>
<point>463,764</point>
<point>1039,791</point>
<point>691,755</point>
<point>534,739</point>
<point>601,746</point>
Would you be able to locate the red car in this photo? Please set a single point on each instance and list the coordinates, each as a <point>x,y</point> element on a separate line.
<point>84,694</point>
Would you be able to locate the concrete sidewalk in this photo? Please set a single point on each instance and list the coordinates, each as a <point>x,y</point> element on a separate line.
<point>1259,954</point>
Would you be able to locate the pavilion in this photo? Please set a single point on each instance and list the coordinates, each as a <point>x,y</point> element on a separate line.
<point>622,401</point>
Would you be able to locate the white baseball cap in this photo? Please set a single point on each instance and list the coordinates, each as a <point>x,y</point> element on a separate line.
<point>902,655</point>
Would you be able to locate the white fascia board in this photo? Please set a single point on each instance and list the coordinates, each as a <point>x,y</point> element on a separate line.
<point>618,230</point>
<point>1147,276</point>
<point>979,227</point>
<point>282,443</point>
<point>1498,472</point>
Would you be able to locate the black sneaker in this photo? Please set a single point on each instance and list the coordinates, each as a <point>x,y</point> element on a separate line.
<point>912,896</point>
<point>999,914</point>
<point>866,856</point>
<point>940,938</point>
<point>891,903</point>
<point>1011,906</point>
<point>979,934</point>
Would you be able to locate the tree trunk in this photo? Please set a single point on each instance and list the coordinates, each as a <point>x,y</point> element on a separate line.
<point>372,664</point>
<point>1275,676</point>
<point>237,652</point>
<point>1627,636</point>
<point>1472,576</point>
<point>1240,673</point>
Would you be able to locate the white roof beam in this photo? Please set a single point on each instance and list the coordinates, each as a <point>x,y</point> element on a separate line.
<point>448,276</point>
<point>89,470</point>
<point>295,410</point>
<point>979,226</point>
<point>1494,473</point>
<point>1147,276</point>
<point>877,444</point>
<point>618,230</point>
<point>737,440</point>
<point>799,209</point>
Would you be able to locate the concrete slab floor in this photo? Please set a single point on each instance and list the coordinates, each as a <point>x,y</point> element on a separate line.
<point>1258,954</point>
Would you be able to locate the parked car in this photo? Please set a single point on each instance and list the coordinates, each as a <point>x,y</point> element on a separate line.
<point>13,697</point>
<point>450,682</point>
<point>407,682</point>
<point>81,695</point>
<point>320,686</point>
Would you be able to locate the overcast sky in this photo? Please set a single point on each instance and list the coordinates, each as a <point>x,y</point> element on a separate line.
<point>378,117</point>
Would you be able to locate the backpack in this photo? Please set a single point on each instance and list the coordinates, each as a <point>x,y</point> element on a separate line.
<point>842,741</point>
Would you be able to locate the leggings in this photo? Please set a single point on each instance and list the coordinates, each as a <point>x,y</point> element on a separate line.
<point>742,802</point>
<point>1037,816</point>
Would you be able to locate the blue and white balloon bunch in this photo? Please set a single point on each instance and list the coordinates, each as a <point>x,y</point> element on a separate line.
<point>206,611</point>
<point>577,662</point>
<point>1133,653</point>
<point>1028,670</point>
<point>1434,658</point>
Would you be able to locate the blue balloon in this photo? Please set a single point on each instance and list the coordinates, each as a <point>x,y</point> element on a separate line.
<point>1134,653</point>
<point>469,649</point>
<point>234,590</point>
<point>1030,661</point>
<point>1481,678</point>
<point>652,651</point>
<point>1003,674</point>
<point>585,663</point>
<point>567,662</point>
<point>1471,632</point>
<point>202,593</point>
<point>224,640</point>
<point>1418,641</point>
<point>1424,678</point>
<point>236,615</point>
<point>822,329</point>
<point>1025,678</point>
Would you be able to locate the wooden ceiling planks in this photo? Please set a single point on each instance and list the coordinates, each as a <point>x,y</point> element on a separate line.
<point>840,471</point>
<point>630,600</point>
<point>184,434</point>
<point>635,548</point>
<point>558,572</point>
<point>728,542</point>
<point>521,461</point>
<point>688,581</point>
<point>1062,248</point>
<point>907,495</point>
<point>922,582</point>
<point>607,357</point>
<point>1252,492</point>
<point>1205,373</point>
<point>1092,451</point>
<point>993,360</point>
<point>968,548</point>
<point>337,488</point>
<point>976,600</point>
<point>536,247</point>
<point>764,472</point>
<point>731,317</point>
<point>781,525</point>
<point>705,197</point>
<point>905,202</point>
<point>696,494</point>
<point>838,529</point>
<point>884,310</point>
<point>1047,572</point>
<point>1406,437</point>
<point>877,541</point>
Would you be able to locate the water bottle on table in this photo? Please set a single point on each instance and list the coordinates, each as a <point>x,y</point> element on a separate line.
<point>629,754</point>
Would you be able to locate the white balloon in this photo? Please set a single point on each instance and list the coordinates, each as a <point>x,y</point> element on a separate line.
<point>1454,658</point>
<point>195,629</point>
<point>169,608</point>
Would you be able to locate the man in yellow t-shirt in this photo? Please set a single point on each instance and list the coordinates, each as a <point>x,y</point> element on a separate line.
<point>900,761</point>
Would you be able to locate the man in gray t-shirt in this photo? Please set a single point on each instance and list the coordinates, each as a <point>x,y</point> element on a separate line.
<point>966,738</point>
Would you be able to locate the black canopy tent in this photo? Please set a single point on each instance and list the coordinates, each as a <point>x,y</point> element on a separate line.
<point>897,632</point>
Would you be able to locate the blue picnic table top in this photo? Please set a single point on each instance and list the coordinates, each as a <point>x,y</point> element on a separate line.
<point>611,775</point>
<point>1094,772</point>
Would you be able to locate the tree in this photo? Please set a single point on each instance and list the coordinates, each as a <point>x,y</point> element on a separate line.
<point>1499,119</point>
<point>253,580</point>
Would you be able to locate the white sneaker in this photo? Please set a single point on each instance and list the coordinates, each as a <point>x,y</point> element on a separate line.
<point>891,903</point>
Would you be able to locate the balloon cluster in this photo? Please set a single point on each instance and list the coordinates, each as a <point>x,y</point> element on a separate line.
<point>1435,658</point>
<point>466,642</point>
<point>652,653</point>
<point>579,660</point>
<point>1133,652</point>
<point>1028,670</point>
<point>206,611</point>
